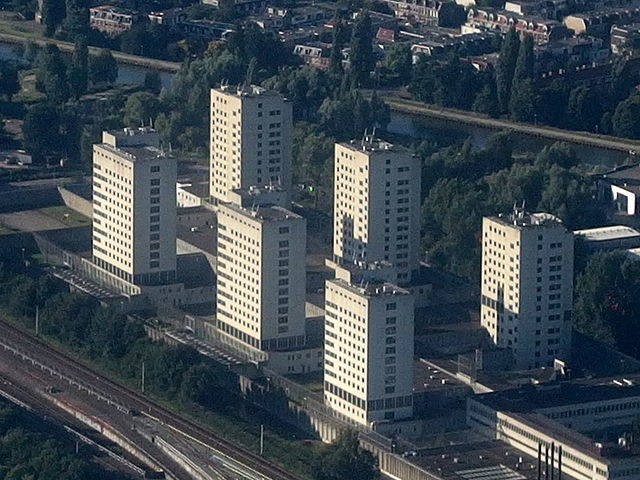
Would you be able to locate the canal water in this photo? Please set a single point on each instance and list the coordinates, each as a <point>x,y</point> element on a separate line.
<point>406,125</point>
<point>444,131</point>
<point>127,74</point>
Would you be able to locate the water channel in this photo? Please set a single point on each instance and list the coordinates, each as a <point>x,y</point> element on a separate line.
<point>407,125</point>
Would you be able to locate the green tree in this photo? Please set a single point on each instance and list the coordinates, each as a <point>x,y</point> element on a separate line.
<point>626,118</point>
<point>41,131</point>
<point>152,81</point>
<point>339,40</point>
<point>522,101</point>
<point>76,22</point>
<point>505,68</point>
<point>141,108</point>
<point>607,301</point>
<point>53,13</point>
<point>361,49</point>
<point>79,71</point>
<point>345,459</point>
<point>525,61</point>
<point>399,60</point>
<point>487,100</point>
<point>9,80</point>
<point>51,77</point>
<point>583,109</point>
<point>103,68</point>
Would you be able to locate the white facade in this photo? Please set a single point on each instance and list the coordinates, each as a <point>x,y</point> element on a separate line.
<point>250,140</point>
<point>261,277</point>
<point>527,286</point>
<point>377,205</point>
<point>134,208</point>
<point>368,371</point>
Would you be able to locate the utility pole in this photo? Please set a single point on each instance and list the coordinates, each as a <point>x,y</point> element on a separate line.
<point>261,439</point>
<point>142,383</point>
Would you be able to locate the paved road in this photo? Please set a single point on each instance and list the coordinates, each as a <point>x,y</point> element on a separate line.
<point>601,141</point>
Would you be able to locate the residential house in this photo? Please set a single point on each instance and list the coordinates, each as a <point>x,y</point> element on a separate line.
<point>112,20</point>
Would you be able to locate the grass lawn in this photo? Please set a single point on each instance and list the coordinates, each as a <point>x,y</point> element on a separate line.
<point>8,24</point>
<point>6,230</point>
<point>66,215</point>
<point>28,92</point>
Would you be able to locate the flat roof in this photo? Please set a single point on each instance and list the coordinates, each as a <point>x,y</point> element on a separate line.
<point>530,398</point>
<point>137,153</point>
<point>250,91</point>
<point>602,234</point>
<point>372,144</point>
<point>372,289</point>
<point>476,459</point>
<point>522,219</point>
<point>268,213</point>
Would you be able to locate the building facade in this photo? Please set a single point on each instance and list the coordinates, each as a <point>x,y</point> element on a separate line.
<point>527,286</point>
<point>112,20</point>
<point>261,277</point>
<point>377,205</point>
<point>250,140</point>
<point>368,370</point>
<point>134,208</point>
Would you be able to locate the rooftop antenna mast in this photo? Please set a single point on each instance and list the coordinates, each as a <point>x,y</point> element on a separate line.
<point>364,138</point>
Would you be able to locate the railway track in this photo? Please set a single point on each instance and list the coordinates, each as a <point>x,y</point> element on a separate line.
<point>123,397</point>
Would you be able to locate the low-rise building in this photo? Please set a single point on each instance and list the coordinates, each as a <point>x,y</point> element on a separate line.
<point>240,6</point>
<point>171,17</point>
<point>599,22</point>
<point>429,12</point>
<point>552,9</point>
<point>625,39</point>
<point>580,429</point>
<point>621,189</point>
<point>542,30</point>
<point>609,238</point>
<point>112,20</point>
<point>205,29</point>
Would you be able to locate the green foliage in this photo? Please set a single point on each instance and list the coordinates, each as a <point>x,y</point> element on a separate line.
<point>523,100</point>
<point>448,84</point>
<point>141,108</point>
<point>103,68</point>
<point>487,100</point>
<point>344,459</point>
<point>76,22</point>
<point>79,71</point>
<point>505,68</point>
<point>29,450</point>
<point>41,131</point>
<point>339,40</point>
<point>152,81</point>
<point>607,301</point>
<point>583,109</point>
<point>53,13</point>
<point>51,76</point>
<point>489,181</point>
<point>626,119</point>
<point>151,40</point>
<point>360,48</point>
<point>399,61</point>
<point>9,80</point>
